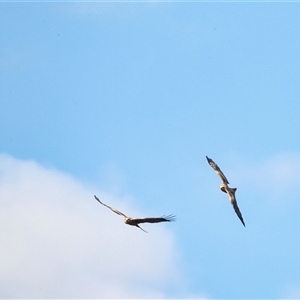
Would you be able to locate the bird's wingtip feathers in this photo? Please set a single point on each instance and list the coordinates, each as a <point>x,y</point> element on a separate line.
<point>243,222</point>
<point>98,199</point>
<point>169,218</point>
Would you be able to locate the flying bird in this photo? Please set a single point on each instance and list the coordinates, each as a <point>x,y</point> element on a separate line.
<point>137,221</point>
<point>218,171</point>
<point>231,194</point>
<point>226,189</point>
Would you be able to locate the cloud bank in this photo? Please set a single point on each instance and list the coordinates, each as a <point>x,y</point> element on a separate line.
<point>56,241</point>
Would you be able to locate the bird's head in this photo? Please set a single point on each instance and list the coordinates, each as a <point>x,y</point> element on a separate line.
<point>128,221</point>
<point>223,188</point>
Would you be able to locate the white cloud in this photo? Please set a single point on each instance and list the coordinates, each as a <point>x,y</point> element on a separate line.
<point>291,291</point>
<point>56,241</point>
<point>278,173</point>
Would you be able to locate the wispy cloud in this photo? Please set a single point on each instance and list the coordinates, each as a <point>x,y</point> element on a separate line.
<point>56,241</point>
<point>291,291</point>
<point>278,173</point>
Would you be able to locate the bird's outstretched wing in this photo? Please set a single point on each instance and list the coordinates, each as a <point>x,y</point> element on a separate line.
<point>169,218</point>
<point>232,198</point>
<point>112,209</point>
<point>217,170</point>
<point>237,211</point>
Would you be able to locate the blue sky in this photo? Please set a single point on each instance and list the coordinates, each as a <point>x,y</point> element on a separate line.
<point>125,100</point>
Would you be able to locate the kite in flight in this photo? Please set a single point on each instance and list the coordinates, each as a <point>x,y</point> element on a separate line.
<point>136,222</point>
<point>226,189</point>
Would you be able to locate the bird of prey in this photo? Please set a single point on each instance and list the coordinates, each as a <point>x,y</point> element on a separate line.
<point>218,171</point>
<point>226,189</point>
<point>136,222</point>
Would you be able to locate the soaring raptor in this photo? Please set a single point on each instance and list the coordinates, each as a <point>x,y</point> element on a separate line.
<point>226,189</point>
<point>136,222</point>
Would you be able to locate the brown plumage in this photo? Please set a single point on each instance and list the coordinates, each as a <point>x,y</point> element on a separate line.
<point>226,189</point>
<point>137,221</point>
<point>217,170</point>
